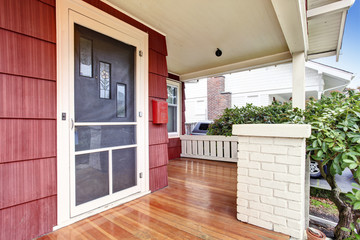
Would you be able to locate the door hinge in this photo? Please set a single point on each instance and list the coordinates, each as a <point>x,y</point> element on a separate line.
<point>141,175</point>
<point>140,53</point>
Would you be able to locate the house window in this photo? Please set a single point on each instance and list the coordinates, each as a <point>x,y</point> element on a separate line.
<point>174,109</point>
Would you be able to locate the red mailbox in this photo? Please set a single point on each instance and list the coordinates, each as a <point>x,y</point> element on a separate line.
<point>160,111</point>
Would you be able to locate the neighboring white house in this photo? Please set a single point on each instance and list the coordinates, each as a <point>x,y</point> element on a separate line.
<point>260,86</point>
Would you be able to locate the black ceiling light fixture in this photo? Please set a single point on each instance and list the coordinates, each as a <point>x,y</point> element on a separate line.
<point>218,52</point>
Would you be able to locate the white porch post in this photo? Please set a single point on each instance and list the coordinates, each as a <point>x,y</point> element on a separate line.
<point>298,87</point>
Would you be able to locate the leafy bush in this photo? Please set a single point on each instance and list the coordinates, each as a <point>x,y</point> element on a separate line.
<point>334,143</point>
<point>274,113</point>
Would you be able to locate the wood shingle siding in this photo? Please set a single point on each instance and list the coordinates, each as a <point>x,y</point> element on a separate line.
<point>27,118</point>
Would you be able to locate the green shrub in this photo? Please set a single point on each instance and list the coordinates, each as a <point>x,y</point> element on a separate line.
<point>274,113</point>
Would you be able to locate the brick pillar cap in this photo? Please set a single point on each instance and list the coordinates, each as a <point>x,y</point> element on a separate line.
<point>273,130</point>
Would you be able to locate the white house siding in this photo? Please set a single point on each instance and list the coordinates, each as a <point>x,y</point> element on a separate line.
<point>196,101</point>
<point>259,86</point>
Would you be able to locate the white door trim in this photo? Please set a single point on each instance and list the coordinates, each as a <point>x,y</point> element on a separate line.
<point>69,12</point>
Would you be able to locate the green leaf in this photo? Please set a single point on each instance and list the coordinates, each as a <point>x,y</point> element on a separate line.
<point>357,195</point>
<point>355,185</point>
<point>357,205</point>
<point>319,153</point>
<point>345,229</point>
<point>353,166</point>
<point>348,161</point>
<point>328,140</point>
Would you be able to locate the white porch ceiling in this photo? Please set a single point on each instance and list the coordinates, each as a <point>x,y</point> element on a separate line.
<point>247,31</point>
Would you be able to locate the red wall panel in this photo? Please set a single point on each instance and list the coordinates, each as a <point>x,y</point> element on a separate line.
<point>158,134</point>
<point>174,148</point>
<point>26,56</point>
<point>157,63</point>
<point>28,220</point>
<point>26,181</point>
<point>22,97</point>
<point>30,17</point>
<point>27,118</point>
<point>158,178</point>
<point>174,142</point>
<point>157,86</point>
<point>158,155</point>
<point>157,42</point>
<point>27,139</point>
<point>174,152</point>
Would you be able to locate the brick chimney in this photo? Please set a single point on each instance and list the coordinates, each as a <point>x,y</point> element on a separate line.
<point>217,98</point>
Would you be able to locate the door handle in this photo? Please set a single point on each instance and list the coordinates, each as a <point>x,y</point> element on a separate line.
<point>72,124</point>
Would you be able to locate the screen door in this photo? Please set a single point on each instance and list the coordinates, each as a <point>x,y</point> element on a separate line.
<point>104,166</point>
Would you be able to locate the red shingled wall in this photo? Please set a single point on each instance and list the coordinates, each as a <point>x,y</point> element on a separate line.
<point>27,118</point>
<point>28,191</point>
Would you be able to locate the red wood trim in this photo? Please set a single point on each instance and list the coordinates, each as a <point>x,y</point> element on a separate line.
<point>173,76</point>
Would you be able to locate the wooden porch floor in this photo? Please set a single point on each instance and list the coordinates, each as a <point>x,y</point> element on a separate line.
<point>199,203</point>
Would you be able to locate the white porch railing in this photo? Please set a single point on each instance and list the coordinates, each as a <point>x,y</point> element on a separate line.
<point>218,148</point>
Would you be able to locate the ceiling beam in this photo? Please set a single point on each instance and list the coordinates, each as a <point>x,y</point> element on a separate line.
<point>291,15</point>
<point>330,8</point>
<point>239,66</point>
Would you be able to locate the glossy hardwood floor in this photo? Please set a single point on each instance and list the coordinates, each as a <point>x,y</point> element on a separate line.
<point>199,203</point>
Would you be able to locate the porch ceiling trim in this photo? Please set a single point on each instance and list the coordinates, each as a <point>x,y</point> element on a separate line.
<point>292,18</point>
<point>239,66</point>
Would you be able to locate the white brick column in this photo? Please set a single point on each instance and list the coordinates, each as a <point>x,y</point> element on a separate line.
<point>273,183</point>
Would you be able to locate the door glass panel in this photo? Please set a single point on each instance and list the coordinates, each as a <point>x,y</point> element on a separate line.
<point>121,100</point>
<point>105,79</point>
<point>124,168</point>
<point>85,57</point>
<point>96,137</point>
<point>91,176</point>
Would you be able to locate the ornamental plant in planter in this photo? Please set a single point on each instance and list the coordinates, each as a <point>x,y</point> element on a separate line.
<point>334,143</point>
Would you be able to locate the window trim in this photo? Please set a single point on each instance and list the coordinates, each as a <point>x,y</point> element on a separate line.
<point>178,85</point>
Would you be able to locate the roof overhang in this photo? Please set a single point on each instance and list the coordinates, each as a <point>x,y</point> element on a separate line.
<point>250,33</point>
<point>326,23</point>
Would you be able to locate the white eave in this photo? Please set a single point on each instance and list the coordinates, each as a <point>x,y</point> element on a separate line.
<point>340,74</point>
<point>326,22</point>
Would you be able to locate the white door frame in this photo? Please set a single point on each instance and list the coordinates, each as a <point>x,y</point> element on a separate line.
<point>69,12</point>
